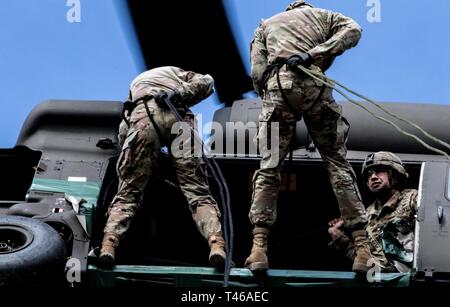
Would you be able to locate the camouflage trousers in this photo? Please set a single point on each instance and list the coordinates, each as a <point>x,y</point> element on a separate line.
<point>327,128</point>
<point>140,148</point>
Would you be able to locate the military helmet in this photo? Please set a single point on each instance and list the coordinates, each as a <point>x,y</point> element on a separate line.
<point>383,158</point>
<point>296,4</point>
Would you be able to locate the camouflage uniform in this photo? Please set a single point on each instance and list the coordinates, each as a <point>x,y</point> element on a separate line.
<point>141,144</point>
<point>391,232</point>
<point>324,35</point>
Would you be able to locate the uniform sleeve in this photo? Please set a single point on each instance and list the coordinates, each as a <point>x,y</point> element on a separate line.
<point>413,201</point>
<point>344,245</point>
<point>195,87</point>
<point>258,55</point>
<point>345,34</point>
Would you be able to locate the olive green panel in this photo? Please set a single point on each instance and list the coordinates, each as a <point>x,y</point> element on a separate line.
<point>74,191</point>
<point>124,275</point>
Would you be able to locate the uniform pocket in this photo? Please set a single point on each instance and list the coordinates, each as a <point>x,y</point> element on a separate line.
<point>330,128</point>
<point>123,163</point>
<point>342,131</point>
<point>129,139</point>
<point>123,132</point>
<point>333,110</point>
<point>273,84</point>
<point>266,114</point>
<point>140,112</point>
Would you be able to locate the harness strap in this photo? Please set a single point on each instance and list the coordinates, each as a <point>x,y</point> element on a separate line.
<point>266,76</point>
<point>155,125</point>
<point>129,106</point>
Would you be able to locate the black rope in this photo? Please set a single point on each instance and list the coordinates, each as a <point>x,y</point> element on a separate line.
<point>128,107</point>
<point>155,125</point>
<point>224,195</point>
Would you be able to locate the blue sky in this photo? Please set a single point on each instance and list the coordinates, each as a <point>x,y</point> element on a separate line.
<point>43,56</point>
<point>404,57</point>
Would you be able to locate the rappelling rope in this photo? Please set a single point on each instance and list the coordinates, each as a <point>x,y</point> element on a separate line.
<point>331,83</point>
<point>223,191</point>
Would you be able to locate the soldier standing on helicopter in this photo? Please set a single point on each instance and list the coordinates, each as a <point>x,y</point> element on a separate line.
<point>311,37</point>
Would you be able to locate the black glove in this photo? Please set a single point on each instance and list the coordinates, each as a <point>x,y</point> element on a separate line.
<point>160,98</point>
<point>174,97</point>
<point>303,59</point>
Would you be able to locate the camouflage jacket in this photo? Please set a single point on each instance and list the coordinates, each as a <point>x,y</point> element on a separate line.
<point>193,87</point>
<point>321,33</point>
<point>390,231</point>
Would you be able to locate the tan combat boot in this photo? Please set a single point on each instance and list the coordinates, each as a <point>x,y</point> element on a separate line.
<point>362,251</point>
<point>108,251</point>
<point>217,254</point>
<point>257,261</point>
